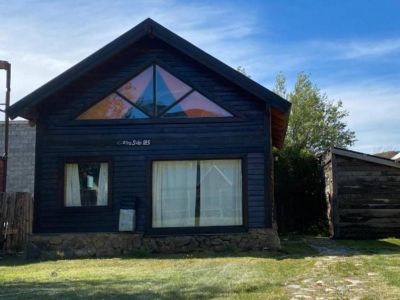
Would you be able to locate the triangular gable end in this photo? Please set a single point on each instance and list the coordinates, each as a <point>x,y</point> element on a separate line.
<point>30,106</point>
<point>154,93</point>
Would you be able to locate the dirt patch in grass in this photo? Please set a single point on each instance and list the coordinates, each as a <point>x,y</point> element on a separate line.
<point>344,272</point>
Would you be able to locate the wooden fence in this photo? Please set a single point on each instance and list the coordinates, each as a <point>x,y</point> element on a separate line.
<point>16,215</point>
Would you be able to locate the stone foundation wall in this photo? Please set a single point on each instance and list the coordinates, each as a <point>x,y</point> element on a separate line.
<point>73,245</point>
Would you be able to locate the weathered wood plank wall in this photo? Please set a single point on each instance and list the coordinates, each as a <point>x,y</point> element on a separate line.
<point>363,198</point>
<point>16,210</point>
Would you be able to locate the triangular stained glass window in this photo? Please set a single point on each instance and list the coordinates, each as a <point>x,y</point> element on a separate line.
<point>169,89</point>
<point>112,107</point>
<point>140,90</point>
<point>156,93</point>
<point>196,105</point>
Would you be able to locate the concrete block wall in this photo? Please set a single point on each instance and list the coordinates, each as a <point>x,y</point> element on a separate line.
<point>21,158</point>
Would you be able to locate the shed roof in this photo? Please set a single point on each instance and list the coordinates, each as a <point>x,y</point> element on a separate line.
<point>27,107</point>
<point>366,157</point>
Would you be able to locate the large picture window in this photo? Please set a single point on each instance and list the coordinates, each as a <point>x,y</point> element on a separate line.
<point>86,184</point>
<point>197,193</point>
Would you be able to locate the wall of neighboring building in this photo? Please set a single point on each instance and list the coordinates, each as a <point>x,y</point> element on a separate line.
<point>21,158</point>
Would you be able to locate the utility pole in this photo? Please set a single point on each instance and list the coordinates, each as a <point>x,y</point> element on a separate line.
<point>5,65</point>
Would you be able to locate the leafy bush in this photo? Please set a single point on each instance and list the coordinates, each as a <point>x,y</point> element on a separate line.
<point>299,191</point>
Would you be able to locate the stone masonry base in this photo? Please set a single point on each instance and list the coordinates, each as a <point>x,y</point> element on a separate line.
<point>71,245</point>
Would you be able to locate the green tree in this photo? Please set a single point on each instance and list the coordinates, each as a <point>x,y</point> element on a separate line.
<point>280,85</point>
<point>315,122</point>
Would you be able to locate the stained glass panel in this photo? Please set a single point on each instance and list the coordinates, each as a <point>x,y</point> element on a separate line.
<point>168,89</point>
<point>196,106</point>
<point>135,113</point>
<point>139,90</point>
<point>111,107</point>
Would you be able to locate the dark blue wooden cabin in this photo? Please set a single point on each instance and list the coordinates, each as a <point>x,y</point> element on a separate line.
<point>152,134</point>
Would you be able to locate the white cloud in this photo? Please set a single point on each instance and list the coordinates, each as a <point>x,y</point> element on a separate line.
<point>43,39</point>
<point>357,49</point>
<point>373,109</point>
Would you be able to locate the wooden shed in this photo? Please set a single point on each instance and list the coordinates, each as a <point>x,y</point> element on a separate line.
<point>363,194</point>
<point>153,137</point>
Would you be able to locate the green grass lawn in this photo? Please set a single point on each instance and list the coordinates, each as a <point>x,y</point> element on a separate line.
<point>367,269</point>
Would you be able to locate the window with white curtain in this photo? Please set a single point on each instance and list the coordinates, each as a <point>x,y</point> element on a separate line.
<point>197,193</point>
<point>86,184</point>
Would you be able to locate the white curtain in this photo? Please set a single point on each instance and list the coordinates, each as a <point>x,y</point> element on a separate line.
<point>174,193</point>
<point>220,192</point>
<point>102,189</point>
<point>72,185</point>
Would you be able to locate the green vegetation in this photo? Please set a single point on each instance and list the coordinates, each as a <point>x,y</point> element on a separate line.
<point>365,269</point>
<point>315,122</point>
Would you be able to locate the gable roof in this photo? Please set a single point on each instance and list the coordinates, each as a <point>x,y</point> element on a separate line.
<point>280,108</point>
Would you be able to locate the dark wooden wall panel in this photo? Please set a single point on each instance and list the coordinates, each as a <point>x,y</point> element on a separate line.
<point>60,138</point>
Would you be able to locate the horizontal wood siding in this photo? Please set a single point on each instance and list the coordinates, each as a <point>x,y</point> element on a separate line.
<point>368,199</point>
<point>59,138</point>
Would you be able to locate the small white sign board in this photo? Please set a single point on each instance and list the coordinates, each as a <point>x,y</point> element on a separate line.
<point>127,220</point>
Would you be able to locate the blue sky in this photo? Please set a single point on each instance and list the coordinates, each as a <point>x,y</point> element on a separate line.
<point>351,49</point>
